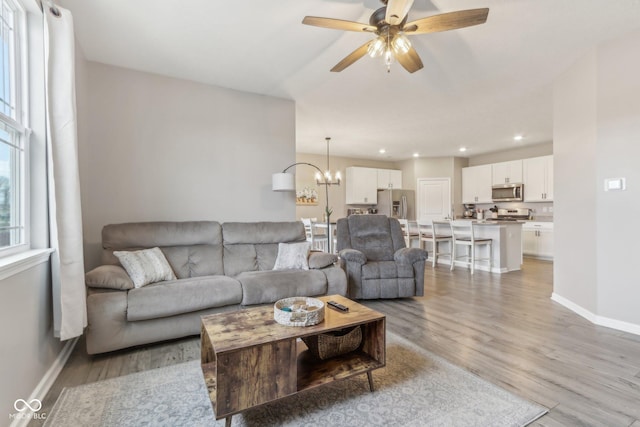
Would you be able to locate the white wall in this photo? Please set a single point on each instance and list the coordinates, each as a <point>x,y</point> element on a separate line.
<point>575,186</point>
<point>596,133</point>
<point>617,155</point>
<point>525,152</point>
<point>159,148</point>
<point>436,167</point>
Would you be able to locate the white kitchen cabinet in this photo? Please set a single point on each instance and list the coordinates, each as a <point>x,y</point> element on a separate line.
<point>506,172</point>
<point>537,239</point>
<point>361,186</point>
<point>476,184</point>
<point>538,179</point>
<point>389,179</point>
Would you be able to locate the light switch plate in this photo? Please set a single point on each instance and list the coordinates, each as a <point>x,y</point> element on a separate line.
<point>615,184</point>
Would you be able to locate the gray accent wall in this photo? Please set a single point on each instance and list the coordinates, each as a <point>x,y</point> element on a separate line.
<point>156,148</point>
<point>596,134</point>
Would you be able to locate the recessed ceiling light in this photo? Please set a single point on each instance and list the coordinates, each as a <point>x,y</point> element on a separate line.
<point>463,149</point>
<point>416,155</point>
<point>518,138</point>
<point>382,151</point>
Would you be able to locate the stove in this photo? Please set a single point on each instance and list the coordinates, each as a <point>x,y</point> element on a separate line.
<point>518,214</point>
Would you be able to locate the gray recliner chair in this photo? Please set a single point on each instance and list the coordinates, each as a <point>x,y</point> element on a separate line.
<point>377,262</point>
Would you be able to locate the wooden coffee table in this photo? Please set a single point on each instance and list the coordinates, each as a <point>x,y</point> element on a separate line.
<point>248,359</point>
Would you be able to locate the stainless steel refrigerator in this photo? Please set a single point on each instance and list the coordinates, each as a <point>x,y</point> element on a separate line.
<point>397,204</point>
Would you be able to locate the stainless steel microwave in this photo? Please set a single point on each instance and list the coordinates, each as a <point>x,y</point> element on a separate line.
<point>507,193</point>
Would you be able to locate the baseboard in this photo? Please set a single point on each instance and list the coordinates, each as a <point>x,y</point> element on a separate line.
<point>608,322</point>
<point>46,382</point>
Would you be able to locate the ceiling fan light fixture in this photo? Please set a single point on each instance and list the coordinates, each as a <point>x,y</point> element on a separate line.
<point>401,44</point>
<point>377,47</point>
<point>388,59</point>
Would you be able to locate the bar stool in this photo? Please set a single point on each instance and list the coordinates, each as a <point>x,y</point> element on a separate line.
<point>406,231</point>
<point>436,232</point>
<point>318,241</point>
<point>463,233</point>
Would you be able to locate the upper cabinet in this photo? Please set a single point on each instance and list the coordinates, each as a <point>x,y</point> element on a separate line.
<point>361,186</point>
<point>507,172</point>
<point>476,184</point>
<point>538,179</point>
<point>389,179</point>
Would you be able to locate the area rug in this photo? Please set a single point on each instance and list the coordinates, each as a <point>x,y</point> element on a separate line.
<point>416,388</point>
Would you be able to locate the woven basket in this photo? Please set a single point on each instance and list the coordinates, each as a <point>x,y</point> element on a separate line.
<point>311,315</point>
<point>331,344</point>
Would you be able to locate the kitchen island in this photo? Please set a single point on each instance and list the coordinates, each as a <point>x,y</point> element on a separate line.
<point>506,241</point>
<point>507,245</point>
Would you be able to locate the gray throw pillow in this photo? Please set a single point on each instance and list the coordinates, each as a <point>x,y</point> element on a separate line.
<point>109,277</point>
<point>293,256</point>
<point>145,266</point>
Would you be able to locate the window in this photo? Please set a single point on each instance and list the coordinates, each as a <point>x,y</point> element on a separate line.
<point>13,134</point>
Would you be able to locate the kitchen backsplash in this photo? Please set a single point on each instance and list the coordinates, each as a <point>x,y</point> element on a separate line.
<point>540,211</point>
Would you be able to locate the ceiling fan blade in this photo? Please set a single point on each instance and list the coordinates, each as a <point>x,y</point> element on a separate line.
<point>397,10</point>
<point>338,24</point>
<point>351,58</point>
<point>410,60</point>
<point>447,21</point>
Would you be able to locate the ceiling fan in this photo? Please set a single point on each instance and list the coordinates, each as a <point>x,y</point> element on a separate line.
<point>389,23</point>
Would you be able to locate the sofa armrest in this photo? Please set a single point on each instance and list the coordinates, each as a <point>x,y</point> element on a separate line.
<point>410,255</point>
<point>318,260</point>
<point>352,255</point>
<point>109,277</point>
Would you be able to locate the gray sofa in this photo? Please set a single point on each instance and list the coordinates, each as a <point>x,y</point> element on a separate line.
<point>218,268</point>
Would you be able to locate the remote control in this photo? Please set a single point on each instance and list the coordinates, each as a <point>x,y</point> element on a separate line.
<point>338,306</point>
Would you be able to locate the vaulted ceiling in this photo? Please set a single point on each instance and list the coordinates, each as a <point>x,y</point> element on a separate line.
<point>479,86</point>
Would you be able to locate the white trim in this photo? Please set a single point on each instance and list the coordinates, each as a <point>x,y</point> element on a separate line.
<point>47,381</point>
<point>14,264</point>
<point>608,322</point>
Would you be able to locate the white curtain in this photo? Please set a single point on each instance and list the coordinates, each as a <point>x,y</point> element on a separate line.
<point>65,215</point>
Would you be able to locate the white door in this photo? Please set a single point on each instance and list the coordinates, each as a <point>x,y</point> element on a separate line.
<point>434,199</point>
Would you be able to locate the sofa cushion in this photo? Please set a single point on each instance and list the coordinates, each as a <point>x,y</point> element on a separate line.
<point>182,296</point>
<point>145,266</point>
<point>193,248</point>
<point>262,287</point>
<point>262,232</point>
<point>293,256</point>
<point>253,246</point>
<point>109,277</point>
<point>370,234</point>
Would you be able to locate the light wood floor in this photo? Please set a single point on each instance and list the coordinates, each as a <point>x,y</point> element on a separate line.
<point>504,328</point>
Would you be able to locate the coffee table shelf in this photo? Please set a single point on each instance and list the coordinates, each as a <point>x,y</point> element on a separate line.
<point>248,359</point>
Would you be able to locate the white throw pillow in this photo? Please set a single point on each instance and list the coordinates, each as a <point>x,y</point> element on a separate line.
<point>293,256</point>
<point>145,266</point>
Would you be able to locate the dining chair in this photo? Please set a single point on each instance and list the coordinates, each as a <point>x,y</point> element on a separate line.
<point>435,233</point>
<point>463,233</point>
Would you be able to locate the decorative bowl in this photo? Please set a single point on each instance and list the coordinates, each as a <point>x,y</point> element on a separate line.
<point>298,311</point>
